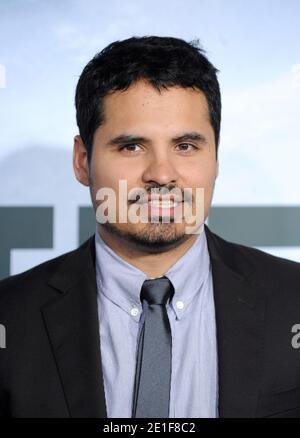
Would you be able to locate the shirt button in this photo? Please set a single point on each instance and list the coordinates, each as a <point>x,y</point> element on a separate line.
<point>134,311</point>
<point>179,305</point>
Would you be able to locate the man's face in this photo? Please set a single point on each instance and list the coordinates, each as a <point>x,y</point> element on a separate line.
<point>153,159</point>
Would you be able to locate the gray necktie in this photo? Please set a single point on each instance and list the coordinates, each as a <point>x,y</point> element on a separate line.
<point>153,368</point>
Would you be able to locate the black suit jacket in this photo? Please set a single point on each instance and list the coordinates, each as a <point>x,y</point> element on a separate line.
<point>51,366</point>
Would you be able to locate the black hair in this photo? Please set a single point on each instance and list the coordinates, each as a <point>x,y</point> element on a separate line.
<point>161,61</point>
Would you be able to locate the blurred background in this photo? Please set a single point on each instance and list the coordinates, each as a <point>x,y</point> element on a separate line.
<point>44,45</point>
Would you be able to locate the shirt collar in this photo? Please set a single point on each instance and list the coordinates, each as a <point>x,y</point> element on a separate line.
<point>121,282</point>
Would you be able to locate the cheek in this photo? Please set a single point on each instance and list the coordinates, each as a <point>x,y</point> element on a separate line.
<point>200,177</point>
<point>109,175</point>
<point>101,178</point>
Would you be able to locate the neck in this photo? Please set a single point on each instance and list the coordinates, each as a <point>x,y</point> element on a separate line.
<point>152,264</point>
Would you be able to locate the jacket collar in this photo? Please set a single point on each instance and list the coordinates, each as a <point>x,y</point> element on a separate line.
<point>240,312</point>
<point>73,328</point>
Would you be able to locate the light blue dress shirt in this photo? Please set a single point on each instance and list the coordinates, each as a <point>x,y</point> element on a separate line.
<point>191,312</point>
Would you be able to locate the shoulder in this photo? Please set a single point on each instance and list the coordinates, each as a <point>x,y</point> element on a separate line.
<point>32,284</point>
<point>264,266</point>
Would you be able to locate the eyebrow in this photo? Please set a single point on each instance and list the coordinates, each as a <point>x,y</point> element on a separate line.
<point>187,136</point>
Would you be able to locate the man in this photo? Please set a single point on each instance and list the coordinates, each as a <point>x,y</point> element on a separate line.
<point>146,319</point>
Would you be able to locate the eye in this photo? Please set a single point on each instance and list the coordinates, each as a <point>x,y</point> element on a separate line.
<point>186,146</point>
<point>129,147</point>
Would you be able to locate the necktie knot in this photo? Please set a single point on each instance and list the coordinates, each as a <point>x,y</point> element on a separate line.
<point>157,291</point>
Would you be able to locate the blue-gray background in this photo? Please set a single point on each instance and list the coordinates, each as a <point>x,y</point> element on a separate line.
<point>44,45</point>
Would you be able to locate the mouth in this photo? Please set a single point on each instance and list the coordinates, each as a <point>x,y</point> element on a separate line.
<point>156,199</point>
<point>170,205</point>
<point>162,206</point>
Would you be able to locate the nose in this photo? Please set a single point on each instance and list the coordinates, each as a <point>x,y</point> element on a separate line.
<point>160,170</point>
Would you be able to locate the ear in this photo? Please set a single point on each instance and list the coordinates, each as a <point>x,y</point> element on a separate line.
<point>80,161</point>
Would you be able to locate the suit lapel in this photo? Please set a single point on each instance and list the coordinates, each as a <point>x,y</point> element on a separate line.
<point>73,329</point>
<point>240,311</point>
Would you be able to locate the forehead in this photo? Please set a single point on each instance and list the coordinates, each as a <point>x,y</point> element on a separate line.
<point>141,101</point>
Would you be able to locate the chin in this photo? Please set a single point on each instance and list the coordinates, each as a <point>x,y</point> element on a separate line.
<point>158,236</point>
